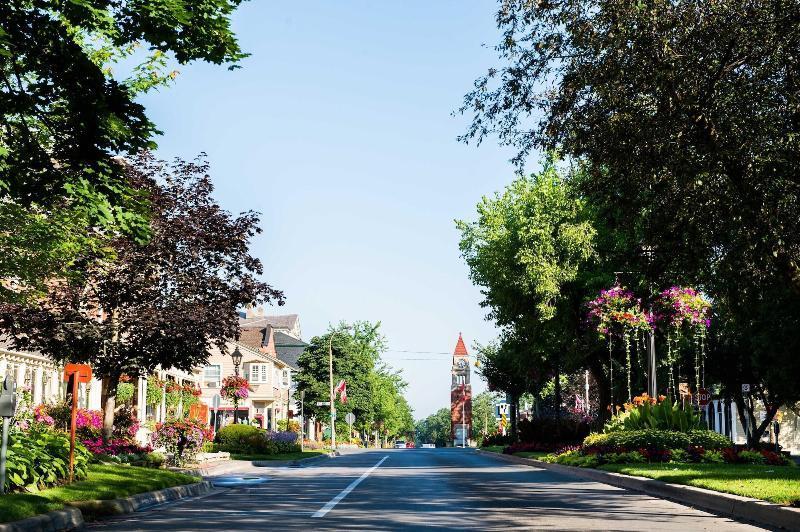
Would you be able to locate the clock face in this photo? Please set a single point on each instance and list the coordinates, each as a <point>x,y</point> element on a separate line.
<point>461,364</point>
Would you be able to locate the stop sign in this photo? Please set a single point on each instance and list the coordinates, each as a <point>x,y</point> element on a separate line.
<point>703,397</point>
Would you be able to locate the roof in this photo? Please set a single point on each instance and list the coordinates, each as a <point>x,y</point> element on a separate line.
<point>289,348</point>
<point>287,321</point>
<point>461,349</point>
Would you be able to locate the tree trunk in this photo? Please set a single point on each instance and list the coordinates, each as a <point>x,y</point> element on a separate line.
<point>109,407</point>
<point>753,430</point>
<point>558,389</point>
<point>513,412</point>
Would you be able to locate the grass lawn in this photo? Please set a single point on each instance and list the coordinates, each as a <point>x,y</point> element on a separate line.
<point>104,482</point>
<point>778,484</point>
<point>531,454</point>
<point>281,456</point>
<point>493,448</point>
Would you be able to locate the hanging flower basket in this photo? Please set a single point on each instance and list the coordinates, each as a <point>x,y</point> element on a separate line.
<point>616,312</point>
<point>234,388</point>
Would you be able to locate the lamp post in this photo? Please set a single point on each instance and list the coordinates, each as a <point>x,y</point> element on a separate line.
<point>237,360</point>
<point>330,378</point>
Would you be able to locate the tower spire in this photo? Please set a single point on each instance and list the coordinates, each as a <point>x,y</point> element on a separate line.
<point>461,349</point>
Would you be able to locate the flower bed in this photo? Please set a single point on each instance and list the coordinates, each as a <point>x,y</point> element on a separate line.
<point>181,439</point>
<point>239,438</point>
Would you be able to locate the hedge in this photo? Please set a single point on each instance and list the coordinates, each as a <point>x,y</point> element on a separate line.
<point>655,439</point>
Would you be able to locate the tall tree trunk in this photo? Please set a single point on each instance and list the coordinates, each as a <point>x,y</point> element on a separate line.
<point>513,413</point>
<point>747,415</point>
<point>110,403</point>
<point>558,388</point>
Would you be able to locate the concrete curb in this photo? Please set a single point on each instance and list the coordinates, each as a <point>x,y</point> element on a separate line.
<point>743,508</point>
<point>72,517</point>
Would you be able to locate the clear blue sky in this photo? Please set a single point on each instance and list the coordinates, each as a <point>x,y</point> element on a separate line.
<point>338,129</point>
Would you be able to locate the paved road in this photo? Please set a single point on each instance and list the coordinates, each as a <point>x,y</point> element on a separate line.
<point>420,488</point>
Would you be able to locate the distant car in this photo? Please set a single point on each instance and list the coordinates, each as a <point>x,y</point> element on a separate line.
<point>429,446</point>
<point>400,444</point>
<point>410,445</point>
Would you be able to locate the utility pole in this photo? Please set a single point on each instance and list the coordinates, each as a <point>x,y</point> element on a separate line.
<point>330,376</point>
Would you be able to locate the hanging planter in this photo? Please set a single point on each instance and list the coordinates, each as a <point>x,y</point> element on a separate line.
<point>155,390</point>
<point>616,312</point>
<point>684,312</point>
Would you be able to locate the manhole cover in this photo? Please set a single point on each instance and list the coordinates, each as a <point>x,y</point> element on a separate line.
<point>229,482</point>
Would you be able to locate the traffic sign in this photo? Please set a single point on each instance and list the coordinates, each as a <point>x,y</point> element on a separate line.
<point>215,401</point>
<point>350,418</point>
<point>745,388</point>
<point>323,403</point>
<point>703,397</point>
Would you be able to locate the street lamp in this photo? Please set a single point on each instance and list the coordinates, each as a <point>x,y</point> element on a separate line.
<point>237,360</point>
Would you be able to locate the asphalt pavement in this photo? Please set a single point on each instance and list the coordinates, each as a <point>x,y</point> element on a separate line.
<point>405,489</point>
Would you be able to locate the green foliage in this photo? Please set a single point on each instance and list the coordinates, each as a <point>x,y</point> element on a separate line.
<point>40,459</point>
<point>66,115</point>
<point>632,457</point>
<point>679,456</point>
<point>639,439</point>
<point>574,458</point>
<point>289,425</point>
<point>751,457</point>
<point>125,391</point>
<point>155,390</point>
<point>712,457</point>
<point>708,439</point>
<point>374,392</point>
<point>434,429</point>
<point>236,434</point>
<point>665,415</point>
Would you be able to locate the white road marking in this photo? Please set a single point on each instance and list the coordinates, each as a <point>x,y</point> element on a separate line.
<point>336,500</point>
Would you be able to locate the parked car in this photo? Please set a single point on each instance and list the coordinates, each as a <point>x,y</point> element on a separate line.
<point>429,446</point>
<point>410,445</point>
<point>400,444</point>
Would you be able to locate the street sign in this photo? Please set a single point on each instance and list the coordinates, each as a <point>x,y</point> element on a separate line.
<point>82,372</point>
<point>503,408</point>
<point>703,397</point>
<point>745,388</point>
<point>350,418</point>
<point>215,401</point>
<point>323,403</point>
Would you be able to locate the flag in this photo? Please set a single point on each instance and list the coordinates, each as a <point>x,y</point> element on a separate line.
<point>341,390</point>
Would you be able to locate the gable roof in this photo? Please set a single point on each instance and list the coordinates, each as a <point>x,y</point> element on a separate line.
<point>288,322</point>
<point>289,348</point>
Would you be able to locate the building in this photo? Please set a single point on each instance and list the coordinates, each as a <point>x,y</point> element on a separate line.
<point>460,396</point>
<point>43,378</point>
<point>270,346</point>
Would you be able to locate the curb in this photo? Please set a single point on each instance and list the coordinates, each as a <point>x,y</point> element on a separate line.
<point>72,516</point>
<point>742,508</point>
<point>290,463</point>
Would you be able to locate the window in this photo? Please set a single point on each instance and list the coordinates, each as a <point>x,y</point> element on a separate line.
<point>259,373</point>
<point>211,374</point>
<point>286,377</point>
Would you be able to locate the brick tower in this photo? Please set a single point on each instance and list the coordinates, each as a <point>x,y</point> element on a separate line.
<point>460,396</point>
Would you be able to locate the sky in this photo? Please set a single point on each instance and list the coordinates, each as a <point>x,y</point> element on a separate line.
<point>339,130</point>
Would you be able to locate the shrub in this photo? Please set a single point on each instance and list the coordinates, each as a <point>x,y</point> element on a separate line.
<point>530,447</point>
<point>574,458</point>
<point>647,413</point>
<point>633,457</point>
<point>182,439</point>
<point>155,459</point>
<point>41,459</point>
<point>552,431</point>
<point>679,456</point>
<point>651,439</point>
<point>236,436</point>
<point>751,457</point>
<point>712,457</point>
<point>497,439</point>
<point>708,439</point>
<point>656,455</point>
<point>114,447</point>
<point>288,425</point>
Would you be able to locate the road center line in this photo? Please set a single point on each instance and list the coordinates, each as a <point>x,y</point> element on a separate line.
<point>336,500</point>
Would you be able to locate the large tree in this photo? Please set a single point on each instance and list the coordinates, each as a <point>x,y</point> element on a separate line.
<point>68,106</point>
<point>161,303</point>
<point>686,114</point>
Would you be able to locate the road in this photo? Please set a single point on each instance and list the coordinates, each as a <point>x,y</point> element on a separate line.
<point>416,489</point>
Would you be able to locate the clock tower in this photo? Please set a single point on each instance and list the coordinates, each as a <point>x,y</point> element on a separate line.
<point>460,396</point>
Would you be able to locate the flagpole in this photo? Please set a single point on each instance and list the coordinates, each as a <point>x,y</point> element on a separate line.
<point>333,408</point>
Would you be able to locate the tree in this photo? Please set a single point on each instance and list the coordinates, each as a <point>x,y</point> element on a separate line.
<point>687,117</point>
<point>65,115</point>
<point>163,303</point>
<point>434,429</point>
<point>483,417</point>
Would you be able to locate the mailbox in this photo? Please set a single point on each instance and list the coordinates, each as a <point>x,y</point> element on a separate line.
<point>8,398</point>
